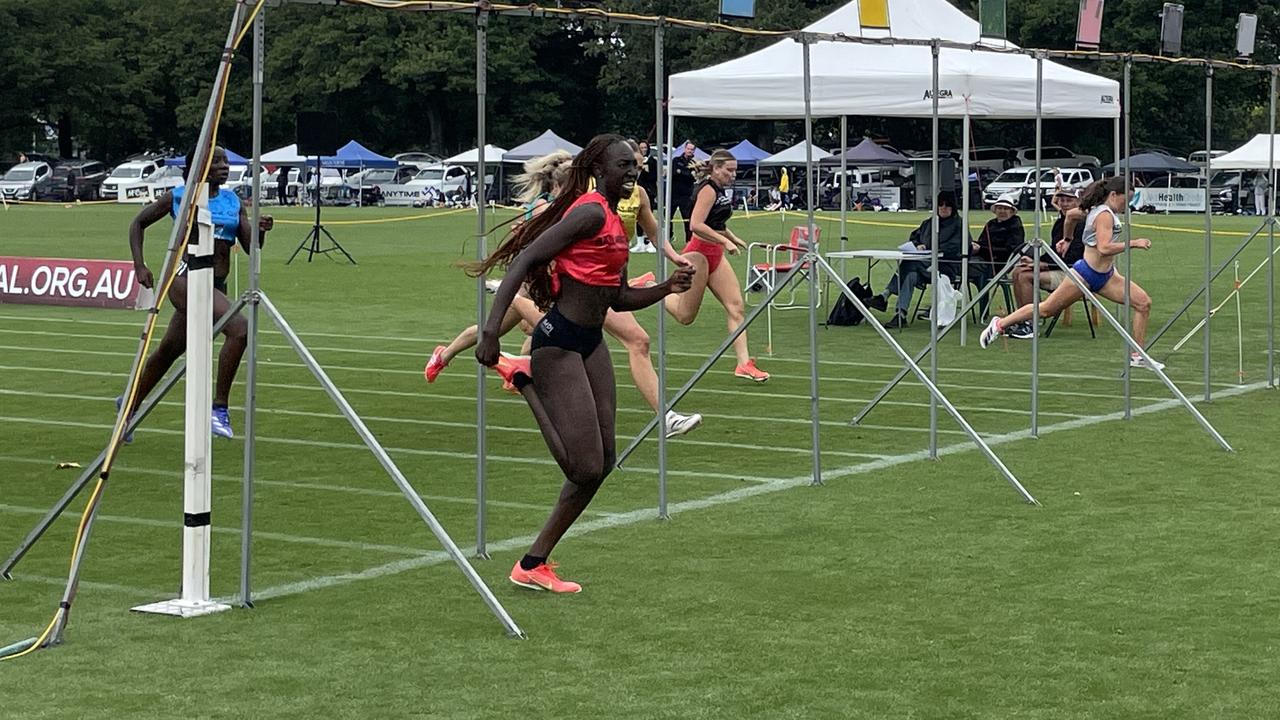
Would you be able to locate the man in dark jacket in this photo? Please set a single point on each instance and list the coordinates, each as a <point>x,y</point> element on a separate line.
<point>1001,238</point>
<point>682,189</point>
<point>649,174</point>
<point>915,273</point>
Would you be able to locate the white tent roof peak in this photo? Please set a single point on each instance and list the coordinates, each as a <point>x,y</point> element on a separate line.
<point>1253,155</point>
<point>492,155</point>
<point>795,155</point>
<point>891,80</point>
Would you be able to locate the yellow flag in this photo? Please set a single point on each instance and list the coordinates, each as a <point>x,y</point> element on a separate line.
<point>873,14</point>
<point>784,184</point>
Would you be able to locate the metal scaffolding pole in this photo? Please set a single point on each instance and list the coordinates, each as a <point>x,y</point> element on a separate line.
<point>964,219</point>
<point>1208,225</point>
<point>810,194</point>
<point>1038,245</point>
<point>1128,225</point>
<point>482,49</point>
<point>844,188</point>
<point>1271,240</point>
<point>255,284</point>
<point>659,95</point>
<point>933,267</point>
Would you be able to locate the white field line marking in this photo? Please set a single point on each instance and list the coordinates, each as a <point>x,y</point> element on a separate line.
<point>725,498</point>
<point>326,487</point>
<point>754,420</point>
<point>735,477</point>
<point>757,394</point>
<point>683,440</point>
<point>90,585</point>
<point>701,356</point>
<point>177,524</point>
<point>463,376</point>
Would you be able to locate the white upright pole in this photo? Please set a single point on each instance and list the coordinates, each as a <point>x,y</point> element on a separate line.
<point>251,366</point>
<point>964,220</point>
<point>193,598</point>
<point>933,269</point>
<point>811,192</point>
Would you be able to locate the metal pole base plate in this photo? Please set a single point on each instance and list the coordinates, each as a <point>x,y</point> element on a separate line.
<point>183,608</point>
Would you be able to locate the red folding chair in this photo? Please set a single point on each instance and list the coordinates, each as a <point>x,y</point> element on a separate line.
<point>778,261</point>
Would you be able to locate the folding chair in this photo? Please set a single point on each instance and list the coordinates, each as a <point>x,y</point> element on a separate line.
<point>778,261</point>
<point>1088,314</point>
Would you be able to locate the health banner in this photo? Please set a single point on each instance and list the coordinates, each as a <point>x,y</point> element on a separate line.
<point>65,281</point>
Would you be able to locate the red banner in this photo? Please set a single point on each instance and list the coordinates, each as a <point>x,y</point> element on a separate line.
<point>65,281</point>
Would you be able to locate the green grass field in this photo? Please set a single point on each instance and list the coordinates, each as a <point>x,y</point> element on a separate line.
<point>1144,587</point>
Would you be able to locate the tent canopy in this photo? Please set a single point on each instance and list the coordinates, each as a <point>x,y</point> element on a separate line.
<point>545,144</point>
<point>355,155</point>
<point>233,158</point>
<point>287,155</point>
<point>891,80</point>
<point>1154,163</point>
<point>868,153</point>
<point>1253,155</point>
<point>492,154</point>
<point>795,155</point>
<point>747,153</point>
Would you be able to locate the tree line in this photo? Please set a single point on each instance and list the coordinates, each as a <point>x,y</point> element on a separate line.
<point>108,78</point>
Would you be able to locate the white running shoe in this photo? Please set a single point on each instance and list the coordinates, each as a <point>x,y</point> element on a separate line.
<point>678,424</point>
<point>649,248</point>
<point>1135,360</point>
<point>990,333</point>
<point>491,285</point>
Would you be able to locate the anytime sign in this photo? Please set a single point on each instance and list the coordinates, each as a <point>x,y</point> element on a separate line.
<point>65,281</point>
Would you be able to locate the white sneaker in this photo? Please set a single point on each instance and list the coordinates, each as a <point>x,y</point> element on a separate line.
<point>990,333</point>
<point>678,424</point>
<point>491,285</point>
<point>637,248</point>
<point>649,248</point>
<point>1135,360</point>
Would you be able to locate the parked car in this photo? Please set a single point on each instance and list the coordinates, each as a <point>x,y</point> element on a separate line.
<point>1225,190</point>
<point>1201,157</point>
<point>448,179</point>
<point>126,180</point>
<point>387,186</point>
<point>997,159</point>
<point>74,180</point>
<point>22,180</point>
<point>417,159</point>
<point>1019,185</point>
<point>1052,156</point>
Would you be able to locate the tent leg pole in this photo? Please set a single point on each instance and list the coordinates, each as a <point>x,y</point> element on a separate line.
<point>933,268</point>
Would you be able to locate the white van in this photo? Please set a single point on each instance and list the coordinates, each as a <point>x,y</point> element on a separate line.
<point>128,175</point>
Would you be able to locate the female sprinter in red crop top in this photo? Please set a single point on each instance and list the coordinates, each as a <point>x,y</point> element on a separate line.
<point>573,258</point>
<point>712,208</point>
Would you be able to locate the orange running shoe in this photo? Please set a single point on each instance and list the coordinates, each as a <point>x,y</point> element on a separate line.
<point>508,367</point>
<point>749,371</point>
<point>644,280</point>
<point>435,365</point>
<point>543,577</point>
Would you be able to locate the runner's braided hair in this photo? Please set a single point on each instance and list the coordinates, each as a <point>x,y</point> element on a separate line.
<point>584,168</point>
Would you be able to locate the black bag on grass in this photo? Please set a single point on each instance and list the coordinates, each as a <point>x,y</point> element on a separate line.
<point>844,312</point>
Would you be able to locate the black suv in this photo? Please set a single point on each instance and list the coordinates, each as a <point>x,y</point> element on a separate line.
<point>73,180</point>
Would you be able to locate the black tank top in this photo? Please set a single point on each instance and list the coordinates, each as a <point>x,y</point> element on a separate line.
<point>721,210</point>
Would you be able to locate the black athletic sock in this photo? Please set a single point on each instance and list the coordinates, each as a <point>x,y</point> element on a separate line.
<point>529,562</point>
<point>219,406</point>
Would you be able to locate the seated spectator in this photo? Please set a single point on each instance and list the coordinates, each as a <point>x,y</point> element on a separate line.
<point>1001,238</point>
<point>914,274</point>
<point>1067,240</point>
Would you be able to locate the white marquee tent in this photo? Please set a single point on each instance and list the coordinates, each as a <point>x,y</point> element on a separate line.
<point>1253,155</point>
<point>795,155</point>
<point>492,155</point>
<point>891,80</point>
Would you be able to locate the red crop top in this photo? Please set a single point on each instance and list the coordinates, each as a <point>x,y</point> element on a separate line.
<point>597,260</point>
